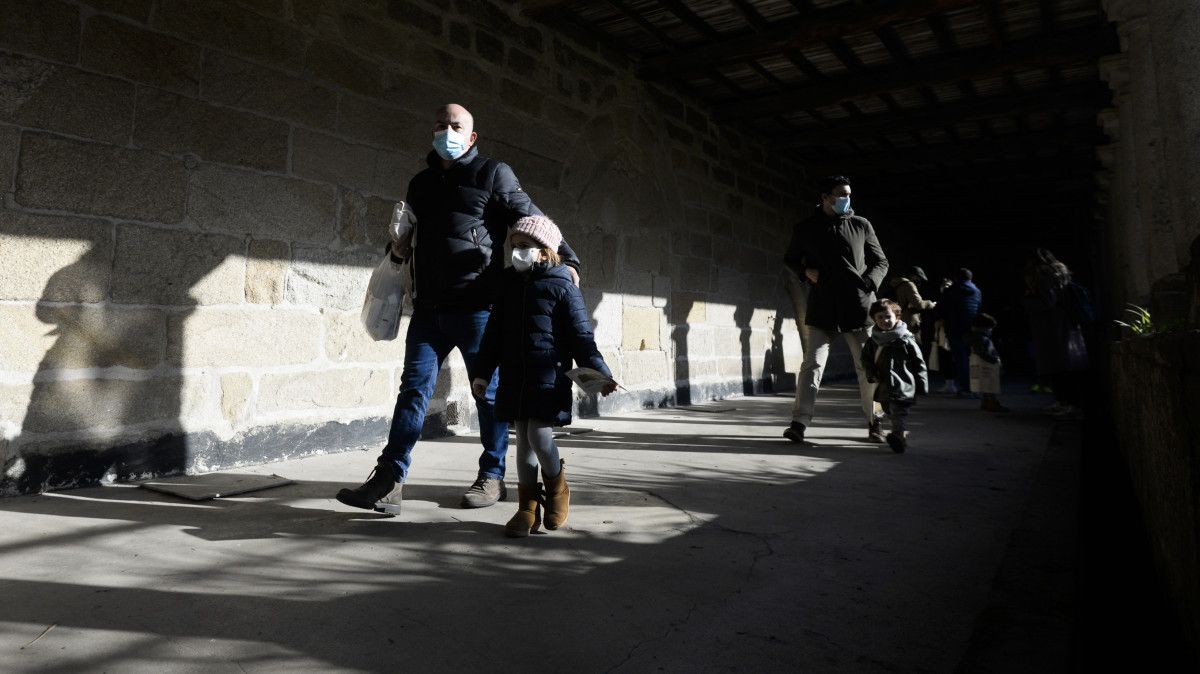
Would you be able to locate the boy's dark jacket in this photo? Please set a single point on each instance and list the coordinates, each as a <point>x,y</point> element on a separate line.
<point>893,359</point>
<point>982,345</point>
<point>538,326</point>
<point>851,266</point>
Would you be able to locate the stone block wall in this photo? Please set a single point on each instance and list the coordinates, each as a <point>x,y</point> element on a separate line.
<point>1155,382</point>
<point>195,193</point>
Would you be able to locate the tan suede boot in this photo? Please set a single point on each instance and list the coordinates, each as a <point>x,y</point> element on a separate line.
<point>558,497</point>
<point>529,512</point>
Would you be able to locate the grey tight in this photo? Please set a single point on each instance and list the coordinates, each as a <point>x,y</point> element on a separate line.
<point>535,443</point>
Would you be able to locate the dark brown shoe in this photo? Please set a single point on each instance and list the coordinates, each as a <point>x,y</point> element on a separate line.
<point>875,431</point>
<point>381,492</point>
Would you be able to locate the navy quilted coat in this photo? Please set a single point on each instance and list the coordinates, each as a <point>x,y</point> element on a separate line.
<point>463,212</point>
<point>536,329</point>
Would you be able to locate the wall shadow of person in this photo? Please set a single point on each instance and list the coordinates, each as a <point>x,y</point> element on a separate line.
<point>106,399</point>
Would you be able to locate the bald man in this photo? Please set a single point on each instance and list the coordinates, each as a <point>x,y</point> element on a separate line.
<point>464,204</point>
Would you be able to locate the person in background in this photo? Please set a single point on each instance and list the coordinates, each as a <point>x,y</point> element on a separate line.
<point>985,363</point>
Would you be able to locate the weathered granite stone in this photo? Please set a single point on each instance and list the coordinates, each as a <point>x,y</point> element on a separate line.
<point>329,279</point>
<point>120,181</point>
<point>243,84</point>
<point>225,24</point>
<point>180,125</point>
<point>243,337</point>
<point>32,93</point>
<point>41,27</point>
<point>265,207</point>
<point>236,389</point>
<point>329,389</point>
<point>10,137</point>
<point>346,341</point>
<point>370,122</point>
<point>54,259</point>
<point>97,405</point>
<point>341,67</point>
<point>65,337</point>
<point>172,267</point>
<point>332,160</point>
<point>266,271</point>
<point>119,48</point>
<point>363,220</point>
<point>138,10</point>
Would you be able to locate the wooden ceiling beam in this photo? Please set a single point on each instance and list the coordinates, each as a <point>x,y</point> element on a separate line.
<point>904,121</point>
<point>1068,47</point>
<point>535,8</point>
<point>813,27</point>
<point>1002,148</point>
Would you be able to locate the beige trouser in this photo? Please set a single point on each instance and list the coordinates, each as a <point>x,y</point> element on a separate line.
<point>808,381</point>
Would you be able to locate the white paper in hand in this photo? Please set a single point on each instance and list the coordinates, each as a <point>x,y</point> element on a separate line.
<point>591,381</point>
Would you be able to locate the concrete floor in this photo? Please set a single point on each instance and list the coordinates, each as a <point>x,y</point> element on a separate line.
<point>697,542</point>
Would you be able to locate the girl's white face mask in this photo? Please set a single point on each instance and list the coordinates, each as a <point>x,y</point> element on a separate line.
<point>523,258</point>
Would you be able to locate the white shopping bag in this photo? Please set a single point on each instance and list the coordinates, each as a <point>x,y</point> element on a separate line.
<point>384,303</point>
<point>401,229</point>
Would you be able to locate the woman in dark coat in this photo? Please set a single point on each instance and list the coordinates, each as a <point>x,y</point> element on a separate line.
<point>537,328</point>
<point>1058,345</point>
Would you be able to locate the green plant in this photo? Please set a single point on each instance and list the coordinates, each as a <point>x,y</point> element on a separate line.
<point>1140,323</point>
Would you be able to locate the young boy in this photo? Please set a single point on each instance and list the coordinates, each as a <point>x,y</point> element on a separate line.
<point>985,364</point>
<point>892,359</point>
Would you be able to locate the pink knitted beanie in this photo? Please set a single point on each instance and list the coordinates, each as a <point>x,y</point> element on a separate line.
<point>540,229</point>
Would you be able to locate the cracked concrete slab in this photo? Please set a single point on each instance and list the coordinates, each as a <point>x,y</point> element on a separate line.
<point>694,544</point>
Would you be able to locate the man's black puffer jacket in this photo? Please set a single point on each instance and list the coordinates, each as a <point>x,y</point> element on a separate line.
<point>536,329</point>
<point>463,214</point>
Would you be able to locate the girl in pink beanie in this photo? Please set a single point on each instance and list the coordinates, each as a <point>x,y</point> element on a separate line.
<point>539,325</point>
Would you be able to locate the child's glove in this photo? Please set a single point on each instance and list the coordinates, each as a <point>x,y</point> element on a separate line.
<point>479,388</point>
<point>608,388</point>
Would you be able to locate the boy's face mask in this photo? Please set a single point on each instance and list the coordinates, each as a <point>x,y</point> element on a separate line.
<point>523,258</point>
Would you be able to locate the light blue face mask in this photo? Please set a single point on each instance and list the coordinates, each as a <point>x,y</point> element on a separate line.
<point>450,144</point>
<point>841,205</point>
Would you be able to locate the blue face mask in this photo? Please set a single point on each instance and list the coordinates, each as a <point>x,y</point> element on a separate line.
<point>450,144</point>
<point>841,205</point>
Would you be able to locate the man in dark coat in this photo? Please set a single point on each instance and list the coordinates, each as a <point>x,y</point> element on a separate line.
<point>837,254</point>
<point>464,204</point>
<point>958,308</point>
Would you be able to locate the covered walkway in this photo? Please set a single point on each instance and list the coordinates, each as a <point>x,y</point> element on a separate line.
<point>698,541</point>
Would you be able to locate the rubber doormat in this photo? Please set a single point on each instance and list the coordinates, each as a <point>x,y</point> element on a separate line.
<point>215,485</point>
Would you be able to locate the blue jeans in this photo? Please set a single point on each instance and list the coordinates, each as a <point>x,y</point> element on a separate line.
<point>432,334</point>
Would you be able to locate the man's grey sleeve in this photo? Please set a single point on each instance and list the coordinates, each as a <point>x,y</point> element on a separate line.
<point>877,264</point>
<point>515,204</point>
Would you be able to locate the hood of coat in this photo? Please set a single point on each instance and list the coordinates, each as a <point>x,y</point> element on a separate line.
<point>885,337</point>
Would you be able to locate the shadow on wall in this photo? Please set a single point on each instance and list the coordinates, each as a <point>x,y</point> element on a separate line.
<point>111,411</point>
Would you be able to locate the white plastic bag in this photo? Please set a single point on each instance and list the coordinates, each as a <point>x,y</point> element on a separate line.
<point>384,302</point>
<point>401,228</point>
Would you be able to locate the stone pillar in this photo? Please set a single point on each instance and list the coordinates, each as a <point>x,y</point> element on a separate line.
<point>1157,202</point>
<point>1175,30</point>
<point>1129,232</point>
